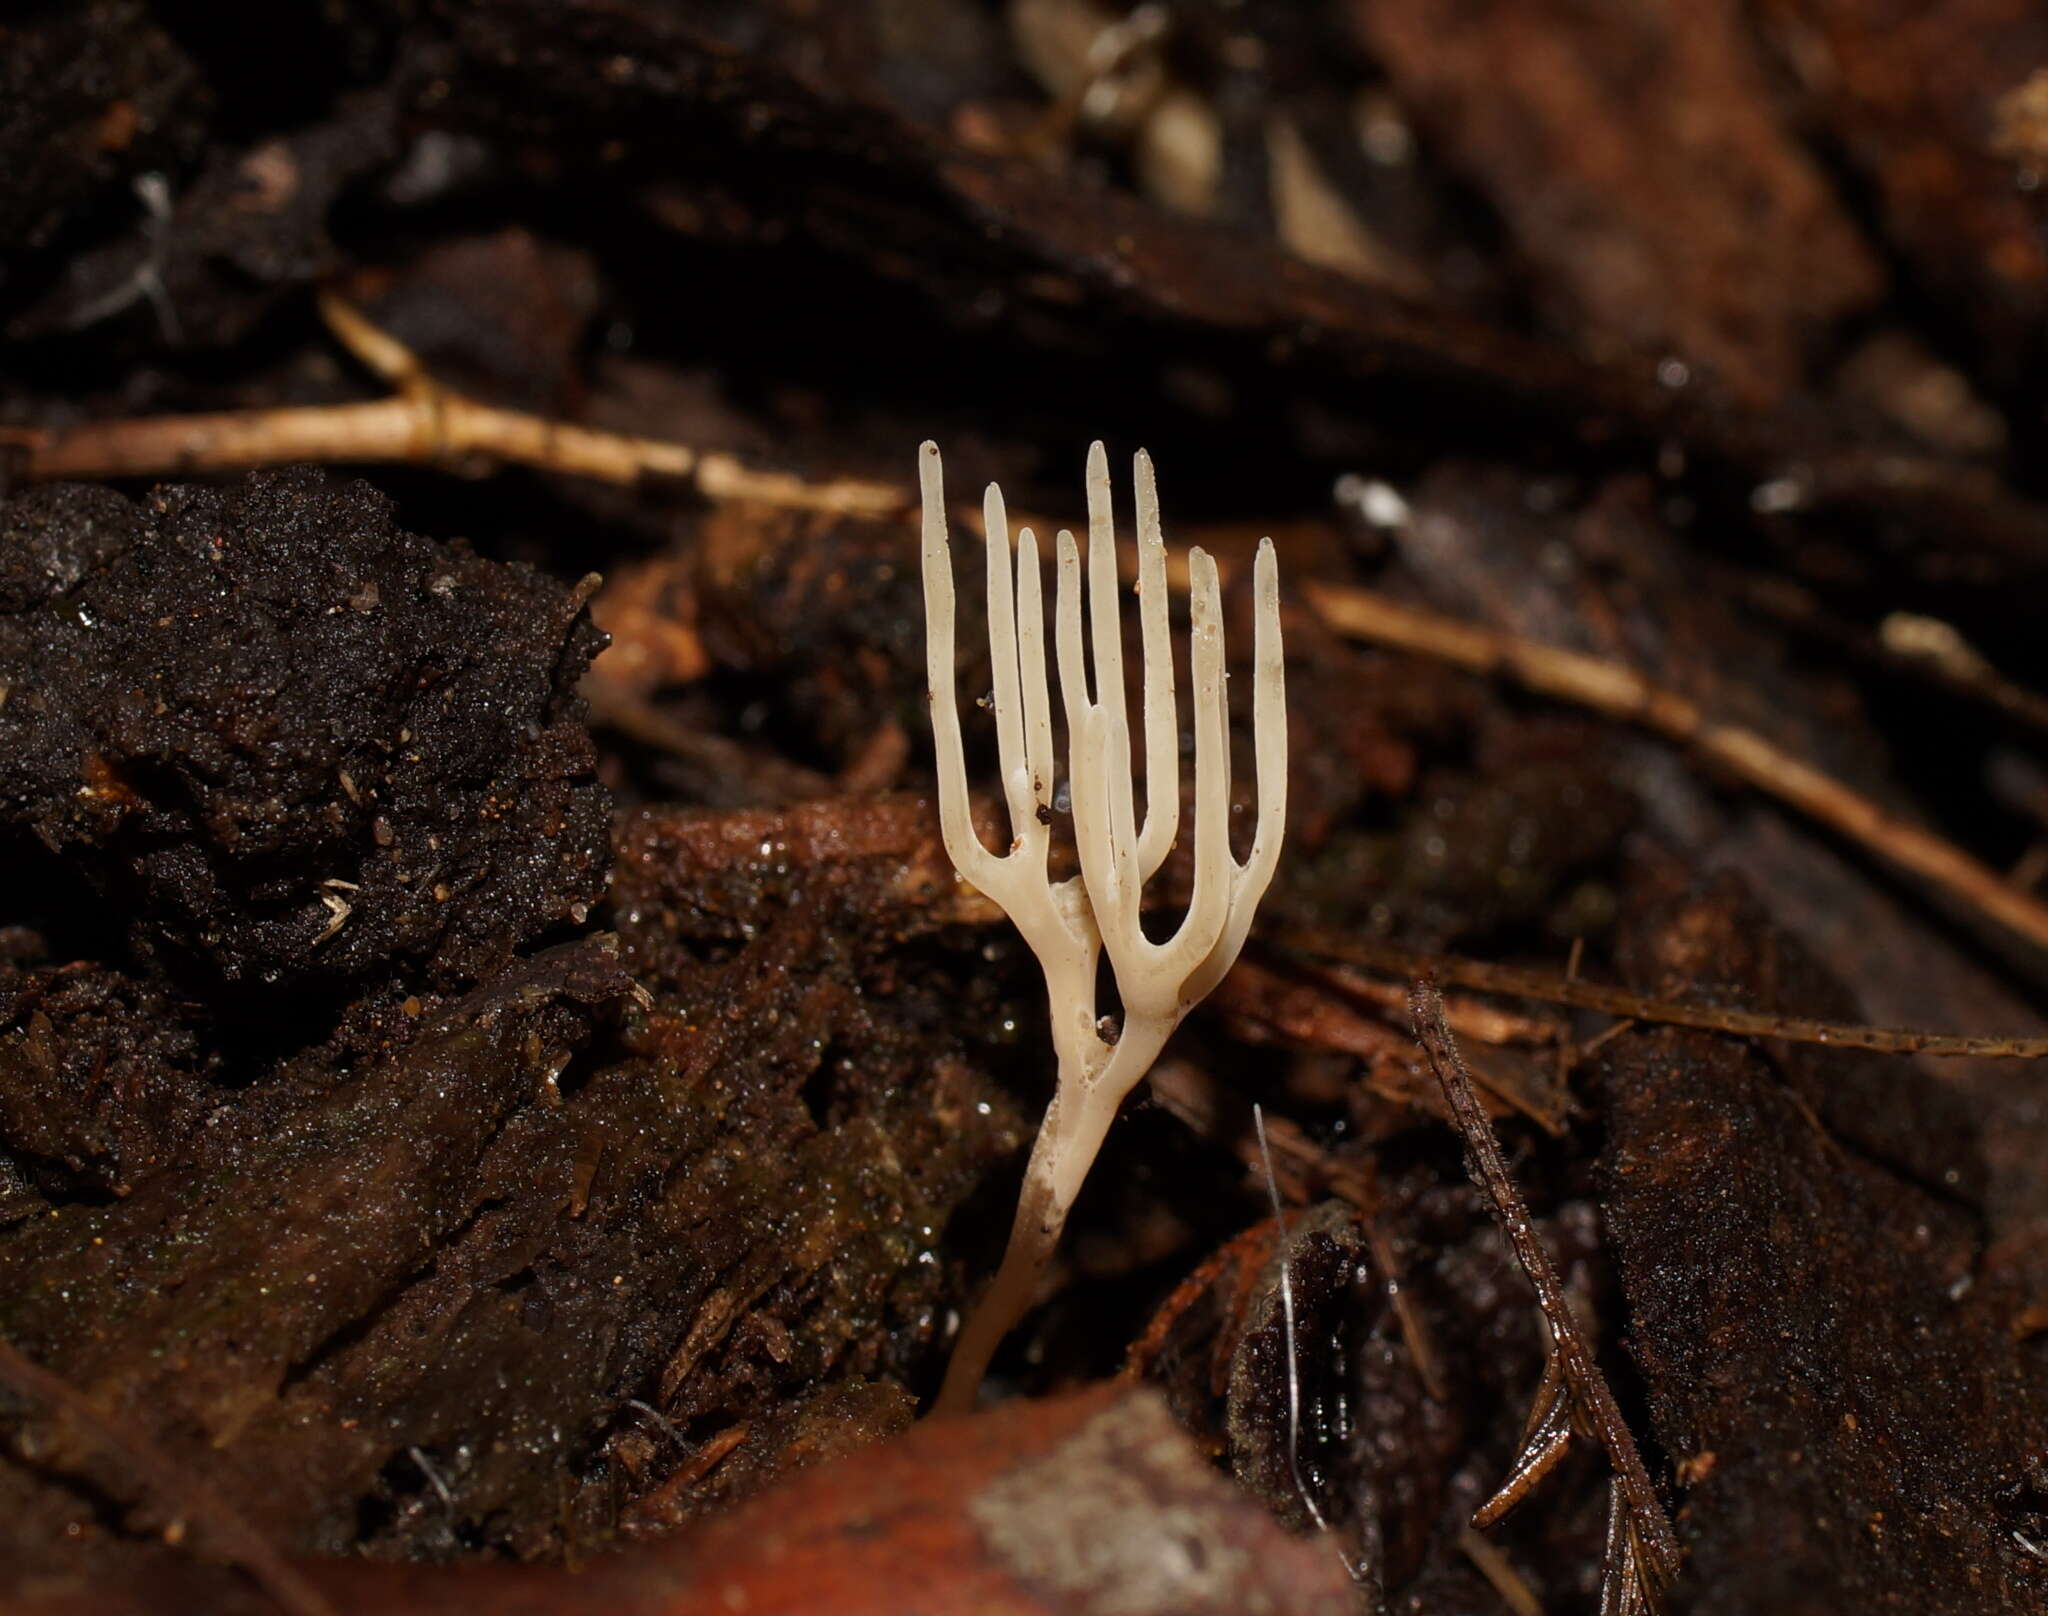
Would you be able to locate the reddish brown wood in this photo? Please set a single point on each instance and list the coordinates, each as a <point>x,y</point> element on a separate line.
<point>1089,1503</point>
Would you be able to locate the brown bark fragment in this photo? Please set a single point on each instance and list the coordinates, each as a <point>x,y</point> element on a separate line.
<point>1638,156</point>
<point>1852,1419</point>
<point>1911,96</point>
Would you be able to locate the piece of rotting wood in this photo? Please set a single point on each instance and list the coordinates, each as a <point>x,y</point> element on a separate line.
<point>185,1498</point>
<point>1642,1557</point>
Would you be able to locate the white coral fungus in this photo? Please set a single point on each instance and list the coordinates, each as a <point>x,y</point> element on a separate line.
<point>1070,923</point>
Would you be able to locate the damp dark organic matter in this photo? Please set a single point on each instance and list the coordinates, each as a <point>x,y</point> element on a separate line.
<point>505,1101</point>
<point>290,741</point>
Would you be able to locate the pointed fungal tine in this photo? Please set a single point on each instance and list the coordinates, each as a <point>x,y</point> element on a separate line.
<point>938,612</point>
<point>1162,718</point>
<point>1067,614</point>
<point>1031,669</point>
<point>1003,659</point>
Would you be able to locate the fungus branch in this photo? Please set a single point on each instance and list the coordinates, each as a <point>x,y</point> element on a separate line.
<point>1069,924</point>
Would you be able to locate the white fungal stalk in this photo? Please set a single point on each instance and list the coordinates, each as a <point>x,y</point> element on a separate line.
<point>1069,923</point>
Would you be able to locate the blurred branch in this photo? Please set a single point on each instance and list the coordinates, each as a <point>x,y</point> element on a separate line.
<point>1620,692</point>
<point>422,423</point>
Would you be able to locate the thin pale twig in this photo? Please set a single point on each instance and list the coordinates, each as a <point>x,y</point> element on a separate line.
<point>1620,692</point>
<point>422,423</point>
<point>1214,1113</point>
<point>1905,642</point>
<point>1308,1501</point>
<point>434,1477</point>
<point>1515,1593</point>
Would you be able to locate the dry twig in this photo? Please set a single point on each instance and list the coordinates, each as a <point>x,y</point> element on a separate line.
<point>1496,1569</point>
<point>1488,978</point>
<point>1642,1555</point>
<point>1620,692</point>
<point>422,423</point>
<point>1906,643</point>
